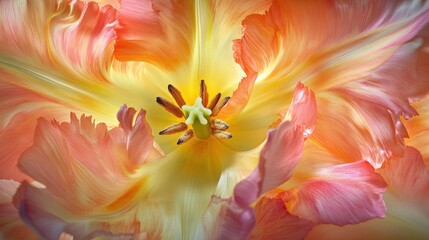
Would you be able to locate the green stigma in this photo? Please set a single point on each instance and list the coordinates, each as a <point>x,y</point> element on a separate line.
<point>198,116</point>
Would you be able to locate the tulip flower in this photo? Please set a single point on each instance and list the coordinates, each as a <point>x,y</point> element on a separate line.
<point>255,119</point>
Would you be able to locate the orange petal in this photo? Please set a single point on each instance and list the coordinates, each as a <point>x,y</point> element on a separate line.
<point>149,31</point>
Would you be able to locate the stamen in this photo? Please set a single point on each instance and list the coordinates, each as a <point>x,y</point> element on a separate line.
<point>177,95</point>
<point>220,125</point>
<point>175,128</point>
<point>219,106</point>
<point>170,107</point>
<point>185,137</point>
<point>214,101</point>
<point>222,134</point>
<point>203,93</point>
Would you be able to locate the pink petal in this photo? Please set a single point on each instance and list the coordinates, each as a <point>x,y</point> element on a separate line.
<point>147,30</point>
<point>273,221</point>
<point>139,139</point>
<point>89,26</point>
<point>408,178</point>
<point>278,159</point>
<point>284,145</point>
<point>11,226</point>
<point>343,194</point>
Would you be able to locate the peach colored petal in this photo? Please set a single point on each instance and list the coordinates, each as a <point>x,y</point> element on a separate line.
<point>91,28</point>
<point>273,221</point>
<point>283,47</point>
<point>11,226</point>
<point>149,31</point>
<point>285,35</point>
<point>343,194</point>
<point>408,178</point>
<point>90,175</point>
<point>23,33</point>
<point>46,33</point>
<point>19,111</point>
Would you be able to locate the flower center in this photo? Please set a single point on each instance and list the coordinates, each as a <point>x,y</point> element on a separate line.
<point>200,115</point>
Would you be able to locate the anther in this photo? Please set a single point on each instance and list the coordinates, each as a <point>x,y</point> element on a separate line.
<point>220,125</point>
<point>214,101</point>
<point>177,95</point>
<point>222,134</point>
<point>175,128</point>
<point>203,93</point>
<point>185,137</point>
<point>219,106</point>
<point>170,107</point>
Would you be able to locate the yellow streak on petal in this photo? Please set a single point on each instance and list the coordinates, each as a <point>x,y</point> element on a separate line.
<point>126,198</point>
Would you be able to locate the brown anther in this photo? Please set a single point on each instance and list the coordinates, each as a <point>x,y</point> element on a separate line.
<point>177,95</point>
<point>219,124</point>
<point>175,128</point>
<point>214,101</point>
<point>203,93</point>
<point>185,137</point>
<point>222,134</point>
<point>219,106</point>
<point>170,107</point>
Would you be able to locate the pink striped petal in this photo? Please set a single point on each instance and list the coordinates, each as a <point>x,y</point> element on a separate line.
<point>343,194</point>
<point>91,28</point>
<point>48,33</point>
<point>408,178</point>
<point>149,30</point>
<point>278,159</point>
<point>273,221</point>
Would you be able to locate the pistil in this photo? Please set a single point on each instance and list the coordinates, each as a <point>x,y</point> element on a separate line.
<point>199,116</point>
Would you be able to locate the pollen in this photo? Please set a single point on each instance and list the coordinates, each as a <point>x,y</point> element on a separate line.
<point>199,119</point>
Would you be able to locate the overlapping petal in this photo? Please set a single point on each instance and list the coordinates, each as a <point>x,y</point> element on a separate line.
<point>273,221</point>
<point>343,194</point>
<point>278,158</point>
<point>90,176</point>
<point>408,178</point>
<point>345,59</point>
<point>11,225</point>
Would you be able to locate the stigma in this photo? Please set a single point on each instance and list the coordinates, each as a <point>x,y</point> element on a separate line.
<point>199,118</point>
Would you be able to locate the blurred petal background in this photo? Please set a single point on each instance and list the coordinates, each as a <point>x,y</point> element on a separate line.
<point>327,110</point>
